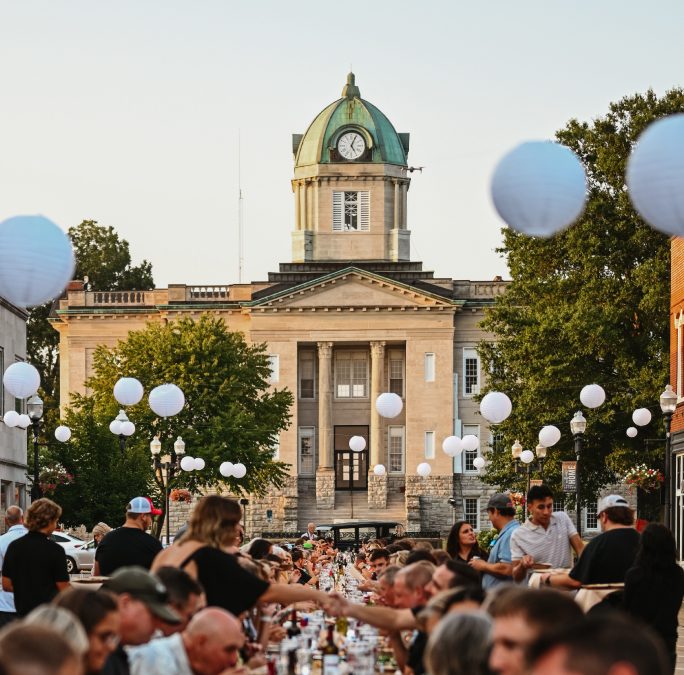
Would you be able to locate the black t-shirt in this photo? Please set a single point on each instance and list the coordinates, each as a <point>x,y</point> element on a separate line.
<point>304,577</point>
<point>416,648</point>
<point>607,558</point>
<point>656,599</point>
<point>126,546</point>
<point>117,663</point>
<point>225,583</point>
<point>34,564</point>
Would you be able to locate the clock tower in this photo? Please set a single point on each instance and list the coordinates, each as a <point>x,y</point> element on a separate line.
<point>350,185</point>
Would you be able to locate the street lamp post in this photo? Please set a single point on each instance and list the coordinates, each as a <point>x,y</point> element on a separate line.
<point>540,451</point>
<point>165,467</point>
<point>34,407</point>
<point>668,404</point>
<point>578,425</point>
<point>122,427</point>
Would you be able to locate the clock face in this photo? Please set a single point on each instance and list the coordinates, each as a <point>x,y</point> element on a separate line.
<point>351,145</point>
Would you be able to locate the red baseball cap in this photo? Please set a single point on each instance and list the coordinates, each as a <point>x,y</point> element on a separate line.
<point>153,511</point>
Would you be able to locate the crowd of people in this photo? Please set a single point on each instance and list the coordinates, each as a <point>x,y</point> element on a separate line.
<point>212,604</point>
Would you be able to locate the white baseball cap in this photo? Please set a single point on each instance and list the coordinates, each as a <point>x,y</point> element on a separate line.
<point>139,505</point>
<point>609,501</point>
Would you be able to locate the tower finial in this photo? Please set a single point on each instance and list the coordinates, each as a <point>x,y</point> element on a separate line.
<point>350,89</point>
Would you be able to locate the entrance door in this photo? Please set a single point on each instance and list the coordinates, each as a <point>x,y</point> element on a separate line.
<point>351,468</point>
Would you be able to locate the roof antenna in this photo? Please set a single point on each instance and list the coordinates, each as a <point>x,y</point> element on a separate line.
<point>241,252</point>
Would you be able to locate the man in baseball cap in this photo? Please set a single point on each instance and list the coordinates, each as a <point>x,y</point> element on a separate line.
<point>498,569</point>
<point>129,544</point>
<point>141,598</point>
<point>607,557</point>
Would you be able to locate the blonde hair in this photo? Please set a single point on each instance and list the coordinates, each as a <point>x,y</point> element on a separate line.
<point>101,528</point>
<point>214,521</point>
<point>41,513</point>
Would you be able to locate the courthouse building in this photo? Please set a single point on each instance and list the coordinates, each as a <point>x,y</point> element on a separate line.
<point>350,316</point>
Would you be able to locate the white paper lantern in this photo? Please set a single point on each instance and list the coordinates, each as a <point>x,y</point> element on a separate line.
<point>424,469</point>
<point>655,172</point>
<point>549,436</point>
<point>115,427</point>
<point>166,400</point>
<point>199,464</point>
<point>539,188</point>
<point>357,443</point>
<point>21,379</point>
<point>36,260</point>
<point>632,432</point>
<point>641,417</point>
<point>127,428</point>
<point>62,434</point>
<point>239,470</point>
<point>379,470</point>
<point>452,446</point>
<point>526,456</point>
<point>389,405</point>
<point>11,418</point>
<point>470,442</point>
<point>479,463</point>
<point>128,391</point>
<point>495,407</point>
<point>24,421</point>
<point>188,463</point>
<point>592,395</point>
<point>226,469</point>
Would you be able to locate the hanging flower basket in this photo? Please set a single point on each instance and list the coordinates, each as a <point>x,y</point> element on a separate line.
<point>180,495</point>
<point>640,476</point>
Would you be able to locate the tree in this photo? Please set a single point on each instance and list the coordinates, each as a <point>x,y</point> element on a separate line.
<point>231,414</point>
<point>106,260</point>
<point>590,304</point>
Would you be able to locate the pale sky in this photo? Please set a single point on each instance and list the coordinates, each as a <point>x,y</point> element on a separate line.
<point>128,112</point>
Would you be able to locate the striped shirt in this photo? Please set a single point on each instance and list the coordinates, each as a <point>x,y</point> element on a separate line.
<point>550,545</point>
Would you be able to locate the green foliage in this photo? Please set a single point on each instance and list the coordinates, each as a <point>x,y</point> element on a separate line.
<point>106,260</point>
<point>231,414</point>
<point>590,304</point>
<point>485,538</point>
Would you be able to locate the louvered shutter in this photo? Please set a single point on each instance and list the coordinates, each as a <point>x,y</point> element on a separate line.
<point>364,211</point>
<point>338,201</point>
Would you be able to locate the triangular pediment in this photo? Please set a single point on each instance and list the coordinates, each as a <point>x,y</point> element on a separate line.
<point>353,288</point>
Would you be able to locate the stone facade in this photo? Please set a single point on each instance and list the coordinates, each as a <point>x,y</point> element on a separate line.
<point>13,441</point>
<point>377,491</point>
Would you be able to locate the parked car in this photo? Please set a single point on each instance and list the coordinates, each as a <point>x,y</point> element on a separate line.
<point>80,554</point>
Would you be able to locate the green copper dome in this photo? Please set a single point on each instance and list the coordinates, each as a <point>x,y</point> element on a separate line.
<point>350,113</point>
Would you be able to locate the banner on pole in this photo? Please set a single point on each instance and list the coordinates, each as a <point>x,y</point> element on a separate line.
<point>569,476</point>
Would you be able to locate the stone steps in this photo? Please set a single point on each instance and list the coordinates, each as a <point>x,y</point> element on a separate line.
<point>309,512</point>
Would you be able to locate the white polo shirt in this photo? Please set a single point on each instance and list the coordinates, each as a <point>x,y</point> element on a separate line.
<point>550,545</point>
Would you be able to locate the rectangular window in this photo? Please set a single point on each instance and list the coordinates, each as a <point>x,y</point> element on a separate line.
<point>19,403</point>
<point>558,505</point>
<point>471,372</point>
<point>274,363</point>
<point>396,373</point>
<point>470,455</point>
<point>351,211</point>
<point>2,370</point>
<point>307,374</point>
<point>307,451</point>
<point>471,511</point>
<point>429,367</point>
<point>275,446</point>
<point>591,516</point>
<point>351,374</point>
<point>396,449</point>
<point>429,444</point>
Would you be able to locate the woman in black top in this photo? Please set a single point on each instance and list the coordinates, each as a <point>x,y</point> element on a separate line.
<point>203,553</point>
<point>462,543</point>
<point>654,586</point>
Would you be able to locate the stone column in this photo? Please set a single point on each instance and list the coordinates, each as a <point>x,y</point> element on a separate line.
<point>302,207</point>
<point>397,206</point>
<point>325,475</point>
<point>298,224</point>
<point>404,202</point>
<point>377,371</point>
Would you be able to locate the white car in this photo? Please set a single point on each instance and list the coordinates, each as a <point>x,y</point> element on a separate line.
<point>80,554</point>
